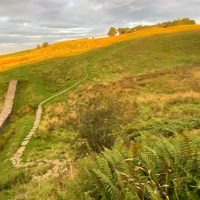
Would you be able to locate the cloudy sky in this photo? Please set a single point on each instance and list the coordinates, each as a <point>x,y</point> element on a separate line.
<point>25,23</point>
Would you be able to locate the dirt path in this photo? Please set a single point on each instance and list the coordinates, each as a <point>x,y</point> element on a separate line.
<point>56,165</point>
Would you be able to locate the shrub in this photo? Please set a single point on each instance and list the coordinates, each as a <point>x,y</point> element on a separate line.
<point>123,30</point>
<point>97,123</point>
<point>45,44</point>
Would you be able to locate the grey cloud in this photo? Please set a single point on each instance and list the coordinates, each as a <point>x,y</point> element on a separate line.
<point>25,23</point>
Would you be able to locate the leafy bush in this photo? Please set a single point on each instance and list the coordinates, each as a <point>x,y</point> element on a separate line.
<point>156,168</point>
<point>97,122</point>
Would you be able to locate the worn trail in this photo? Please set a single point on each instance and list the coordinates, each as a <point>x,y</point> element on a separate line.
<point>17,157</point>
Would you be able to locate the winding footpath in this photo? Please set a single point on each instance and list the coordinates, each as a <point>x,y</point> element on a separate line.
<point>8,103</point>
<point>56,165</point>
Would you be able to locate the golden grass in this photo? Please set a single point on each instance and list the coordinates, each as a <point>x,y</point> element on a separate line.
<point>73,47</point>
<point>170,98</point>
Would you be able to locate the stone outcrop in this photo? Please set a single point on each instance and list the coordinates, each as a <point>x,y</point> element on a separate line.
<point>8,103</point>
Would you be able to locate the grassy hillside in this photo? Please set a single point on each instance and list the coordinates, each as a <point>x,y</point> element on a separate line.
<point>69,48</point>
<point>155,79</point>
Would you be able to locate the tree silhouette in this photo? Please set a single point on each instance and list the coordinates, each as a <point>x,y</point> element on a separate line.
<point>112,32</point>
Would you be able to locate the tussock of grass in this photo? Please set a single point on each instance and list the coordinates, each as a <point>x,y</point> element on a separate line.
<point>21,178</point>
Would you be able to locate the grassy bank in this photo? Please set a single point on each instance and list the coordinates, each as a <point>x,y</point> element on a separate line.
<point>157,77</point>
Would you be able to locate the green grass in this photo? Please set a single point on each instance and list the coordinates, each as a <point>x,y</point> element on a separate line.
<point>2,94</point>
<point>164,58</point>
<point>8,173</point>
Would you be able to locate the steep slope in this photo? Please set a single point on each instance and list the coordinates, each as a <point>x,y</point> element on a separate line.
<point>126,70</point>
<point>74,47</point>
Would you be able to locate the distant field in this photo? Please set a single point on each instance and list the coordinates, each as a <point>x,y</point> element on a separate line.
<point>74,47</point>
<point>156,76</point>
